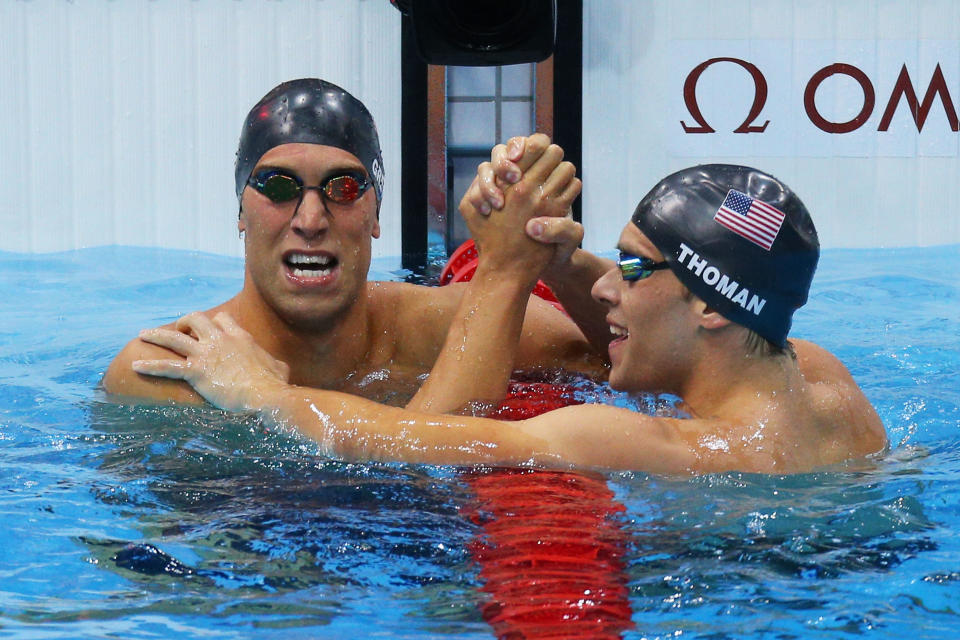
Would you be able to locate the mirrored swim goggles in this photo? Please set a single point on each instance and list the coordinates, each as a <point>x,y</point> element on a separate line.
<point>637,267</point>
<point>281,186</point>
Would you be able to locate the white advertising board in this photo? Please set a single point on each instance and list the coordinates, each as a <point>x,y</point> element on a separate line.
<point>853,104</point>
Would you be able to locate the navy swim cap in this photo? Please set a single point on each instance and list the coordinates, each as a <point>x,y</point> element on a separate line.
<point>313,111</point>
<point>739,239</point>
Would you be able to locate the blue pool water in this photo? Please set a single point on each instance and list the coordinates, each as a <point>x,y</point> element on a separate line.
<point>165,522</point>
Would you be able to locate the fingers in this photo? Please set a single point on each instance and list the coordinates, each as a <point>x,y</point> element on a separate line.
<point>506,166</point>
<point>570,193</point>
<point>229,326</point>
<point>177,369</point>
<point>198,323</point>
<point>555,230</point>
<point>472,201</point>
<point>484,194</point>
<point>534,147</point>
<point>515,148</point>
<point>540,170</point>
<point>560,180</point>
<point>501,170</point>
<point>176,341</point>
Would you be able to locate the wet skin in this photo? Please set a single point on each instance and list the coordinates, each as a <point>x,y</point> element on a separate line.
<point>750,412</point>
<point>650,319</point>
<point>280,237</point>
<point>307,301</point>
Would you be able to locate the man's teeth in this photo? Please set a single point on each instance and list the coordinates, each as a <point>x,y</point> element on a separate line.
<point>310,266</point>
<point>619,332</point>
<point>300,258</point>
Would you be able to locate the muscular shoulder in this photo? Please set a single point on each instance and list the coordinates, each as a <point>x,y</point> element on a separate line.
<point>413,300</point>
<point>819,365</point>
<point>420,316</point>
<point>121,380</point>
<point>413,318</point>
<point>848,419</point>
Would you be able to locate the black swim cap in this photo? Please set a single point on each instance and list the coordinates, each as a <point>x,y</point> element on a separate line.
<point>314,111</point>
<point>739,239</point>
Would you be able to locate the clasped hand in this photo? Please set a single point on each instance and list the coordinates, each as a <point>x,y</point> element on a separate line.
<point>545,186</point>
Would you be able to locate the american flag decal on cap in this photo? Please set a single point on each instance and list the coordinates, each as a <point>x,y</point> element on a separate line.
<point>756,221</point>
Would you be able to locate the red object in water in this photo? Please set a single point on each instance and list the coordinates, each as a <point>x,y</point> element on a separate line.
<point>550,551</point>
<point>461,256</point>
<point>462,264</point>
<point>528,399</point>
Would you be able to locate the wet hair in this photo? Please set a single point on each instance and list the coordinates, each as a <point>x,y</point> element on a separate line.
<point>753,342</point>
<point>757,345</point>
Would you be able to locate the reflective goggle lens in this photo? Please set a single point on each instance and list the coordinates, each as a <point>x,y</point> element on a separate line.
<point>282,187</point>
<point>279,187</point>
<point>343,189</point>
<point>637,267</point>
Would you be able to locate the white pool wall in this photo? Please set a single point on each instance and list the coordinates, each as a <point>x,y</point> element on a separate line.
<point>120,119</point>
<point>865,188</point>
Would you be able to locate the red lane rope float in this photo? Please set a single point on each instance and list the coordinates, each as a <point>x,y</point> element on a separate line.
<point>460,257</point>
<point>550,555</point>
<point>462,264</point>
<point>550,550</point>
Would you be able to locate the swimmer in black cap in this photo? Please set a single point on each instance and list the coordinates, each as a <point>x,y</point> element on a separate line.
<point>698,304</point>
<point>310,181</point>
<point>310,111</point>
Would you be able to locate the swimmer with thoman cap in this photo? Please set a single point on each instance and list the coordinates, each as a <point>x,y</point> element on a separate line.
<point>309,179</point>
<point>712,265</point>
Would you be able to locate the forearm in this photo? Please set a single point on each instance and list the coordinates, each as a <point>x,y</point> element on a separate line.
<point>572,286</point>
<point>478,354</point>
<point>353,428</point>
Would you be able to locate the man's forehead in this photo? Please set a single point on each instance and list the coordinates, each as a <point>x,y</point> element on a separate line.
<point>634,241</point>
<point>319,154</point>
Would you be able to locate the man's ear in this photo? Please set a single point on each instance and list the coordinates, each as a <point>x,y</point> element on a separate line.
<point>375,231</point>
<point>709,317</point>
<point>241,221</point>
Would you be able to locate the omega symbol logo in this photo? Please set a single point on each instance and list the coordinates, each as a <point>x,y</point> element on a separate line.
<point>903,91</point>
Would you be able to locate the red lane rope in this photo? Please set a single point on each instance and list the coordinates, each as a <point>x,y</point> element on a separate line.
<point>550,550</point>
<point>462,264</point>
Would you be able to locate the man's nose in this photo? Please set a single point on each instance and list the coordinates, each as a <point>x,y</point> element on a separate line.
<point>606,290</point>
<point>311,217</point>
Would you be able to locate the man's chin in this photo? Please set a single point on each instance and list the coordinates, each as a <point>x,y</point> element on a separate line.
<point>314,317</point>
<point>310,310</point>
<point>615,380</point>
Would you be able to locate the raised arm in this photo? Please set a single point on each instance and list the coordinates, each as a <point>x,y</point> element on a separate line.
<point>572,271</point>
<point>572,279</point>
<point>481,345</point>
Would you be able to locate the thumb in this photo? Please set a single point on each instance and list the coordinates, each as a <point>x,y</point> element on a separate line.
<point>551,230</point>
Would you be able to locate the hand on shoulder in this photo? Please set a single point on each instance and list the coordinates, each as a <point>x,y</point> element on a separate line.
<point>121,380</point>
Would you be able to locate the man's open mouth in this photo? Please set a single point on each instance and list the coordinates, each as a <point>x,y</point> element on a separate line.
<point>310,266</point>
